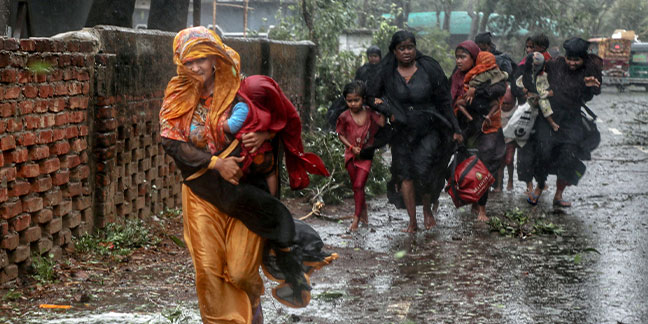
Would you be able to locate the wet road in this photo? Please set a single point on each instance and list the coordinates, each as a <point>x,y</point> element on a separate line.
<point>461,272</point>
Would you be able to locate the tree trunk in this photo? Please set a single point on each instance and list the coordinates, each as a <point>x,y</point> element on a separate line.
<point>402,18</point>
<point>446,19</point>
<point>474,24</point>
<point>362,15</point>
<point>111,12</point>
<point>483,24</point>
<point>168,15</point>
<point>4,16</point>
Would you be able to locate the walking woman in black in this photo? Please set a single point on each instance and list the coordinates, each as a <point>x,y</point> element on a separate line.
<point>416,99</point>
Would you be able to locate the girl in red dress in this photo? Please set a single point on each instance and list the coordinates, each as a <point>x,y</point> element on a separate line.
<point>356,128</point>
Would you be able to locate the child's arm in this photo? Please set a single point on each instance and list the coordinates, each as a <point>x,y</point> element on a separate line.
<point>347,143</point>
<point>236,120</point>
<point>542,84</point>
<point>492,112</point>
<point>552,123</point>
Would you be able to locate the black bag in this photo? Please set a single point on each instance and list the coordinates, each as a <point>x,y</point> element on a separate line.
<point>592,136</point>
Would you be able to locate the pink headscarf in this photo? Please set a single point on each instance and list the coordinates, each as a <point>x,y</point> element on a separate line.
<point>457,79</point>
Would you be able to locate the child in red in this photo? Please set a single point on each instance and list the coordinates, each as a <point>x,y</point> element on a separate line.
<point>356,128</point>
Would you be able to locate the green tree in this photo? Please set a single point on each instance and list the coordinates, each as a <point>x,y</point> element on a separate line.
<point>631,15</point>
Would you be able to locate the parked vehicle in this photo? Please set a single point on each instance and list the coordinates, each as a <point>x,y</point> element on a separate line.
<point>625,61</point>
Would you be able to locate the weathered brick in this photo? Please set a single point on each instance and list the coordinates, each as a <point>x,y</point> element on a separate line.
<point>32,204</point>
<point>8,174</point>
<point>44,136</point>
<point>19,188</point>
<point>3,126</point>
<point>7,142</point>
<point>60,177</point>
<point>11,44</point>
<point>79,102</point>
<point>39,152</point>
<point>47,120</point>
<point>74,88</point>
<point>106,125</point>
<point>32,122</point>
<point>63,208</point>
<point>12,92</point>
<point>50,165</point>
<point>41,184</point>
<point>79,173</point>
<point>55,225</point>
<point>72,189</point>
<point>4,260</point>
<point>21,253</point>
<point>42,245</point>
<point>9,76</point>
<point>4,194</point>
<point>5,58</point>
<point>83,76</point>
<point>81,202</point>
<point>60,89</point>
<point>45,91</point>
<point>26,107</point>
<point>83,130</point>
<point>78,144</point>
<point>61,119</point>
<point>29,170</point>
<point>70,160</point>
<point>30,235</point>
<point>41,106</point>
<point>43,216</point>
<point>52,197</point>
<point>72,219</point>
<point>57,105</point>
<point>71,132</point>
<point>11,208</point>
<point>19,155</point>
<point>20,222</point>
<point>59,148</point>
<point>27,45</point>
<point>58,134</point>
<point>14,125</point>
<point>10,272</point>
<point>106,112</point>
<point>106,139</point>
<point>43,44</point>
<point>30,91</point>
<point>9,241</point>
<point>26,76</point>
<point>77,116</point>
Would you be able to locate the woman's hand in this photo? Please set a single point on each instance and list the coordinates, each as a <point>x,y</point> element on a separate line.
<point>487,121</point>
<point>253,141</point>
<point>457,137</point>
<point>470,95</point>
<point>378,101</point>
<point>229,169</point>
<point>356,150</point>
<point>591,81</point>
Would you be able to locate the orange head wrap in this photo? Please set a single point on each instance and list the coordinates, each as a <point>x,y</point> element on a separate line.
<point>182,94</point>
<point>485,61</point>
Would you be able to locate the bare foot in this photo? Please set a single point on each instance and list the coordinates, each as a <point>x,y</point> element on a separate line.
<point>474,209</point>
<point>364,217</point>
<point>354,224</point>
<point>412,228</point>
<point>481,216</point>
<point>428,220</point>
<point>435,207</point>
<point>509,186</point>
<point>529,187</point>
<point>497,189</point>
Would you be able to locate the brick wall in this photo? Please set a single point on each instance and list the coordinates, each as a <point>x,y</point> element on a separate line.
<point>79,134</point>
<point>45,195</point>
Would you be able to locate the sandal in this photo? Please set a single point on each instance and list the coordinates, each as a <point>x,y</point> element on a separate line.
<point>533,199</point>
<point>561,203</point>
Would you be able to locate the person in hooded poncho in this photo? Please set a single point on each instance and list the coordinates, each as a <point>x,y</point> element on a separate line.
<point>413,93</point>
<point>232,224</point>
<point>483,133</point>
<point>575,79</point>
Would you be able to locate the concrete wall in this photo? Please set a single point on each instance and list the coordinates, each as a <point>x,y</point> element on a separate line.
<point>80,139</point>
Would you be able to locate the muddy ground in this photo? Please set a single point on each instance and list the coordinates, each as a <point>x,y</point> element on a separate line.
<point>596,271</point>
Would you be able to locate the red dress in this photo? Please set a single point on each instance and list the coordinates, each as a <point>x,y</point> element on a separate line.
<point>359,135</point>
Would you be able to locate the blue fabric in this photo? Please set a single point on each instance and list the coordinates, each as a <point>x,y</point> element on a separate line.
<point>239,114</point>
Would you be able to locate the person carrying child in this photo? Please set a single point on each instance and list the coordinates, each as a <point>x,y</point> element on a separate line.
<point>536,85</point>
<point>356,128</point>
<point>485,72</point>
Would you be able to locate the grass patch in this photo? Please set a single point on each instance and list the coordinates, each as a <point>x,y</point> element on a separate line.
<point>117,239</point>
<point>43,267</point>
<point>11,295</point>
<point>517,223</point>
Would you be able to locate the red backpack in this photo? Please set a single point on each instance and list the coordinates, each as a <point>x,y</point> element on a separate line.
<point>468,181</point>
